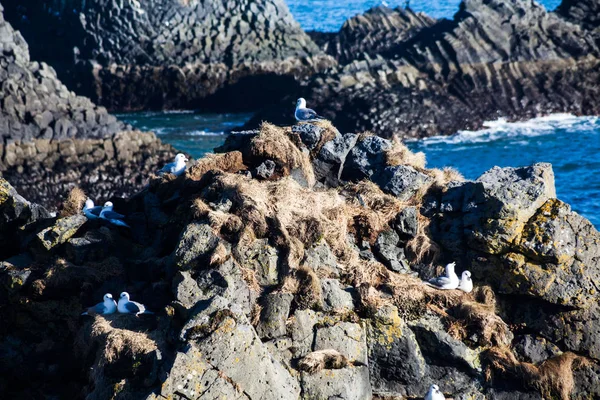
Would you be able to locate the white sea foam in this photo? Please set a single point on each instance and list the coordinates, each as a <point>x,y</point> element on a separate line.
<point>175,131</point>
<point>502,129</point>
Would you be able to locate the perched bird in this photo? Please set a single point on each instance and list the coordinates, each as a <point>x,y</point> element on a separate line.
<point>90,211</point>
<point>114,218</point>
<point>108,306</point>
<point>434,393</point>
<point>177,167</point>
<point>446,282</point>
<point>131,307</point>
<point>304,114</point>
<point>466,284</point>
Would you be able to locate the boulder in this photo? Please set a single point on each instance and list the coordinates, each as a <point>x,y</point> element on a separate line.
<point>309,134</point>
<point>389,251</point>
<point>276,308</point>
<point>347,338</point>
<point>335,298</point>
<point>350,383</point>
<point>366,159</point>
<point>406,223</point>
<point>195,245</point>
<point>62,230</point>
<point>401,181</point>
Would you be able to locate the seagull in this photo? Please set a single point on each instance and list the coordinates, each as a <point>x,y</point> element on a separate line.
<point>304,114</point>
<point>111,216</point>
<point>177,167</point>
<point>90,211</point>
<point>108,306</point>
<point>131,307</point>
<point>434,393</point>
<point>446,282</point>
<point>466,284</point>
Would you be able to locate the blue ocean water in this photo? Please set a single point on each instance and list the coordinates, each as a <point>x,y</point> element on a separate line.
<point>329,15</point>
<point>571,144</point>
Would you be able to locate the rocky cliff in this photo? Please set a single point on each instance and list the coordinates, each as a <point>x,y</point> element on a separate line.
<point>289,266</point>
<point>51,139</point>
<point>130,55</point>
<point>510,59</point>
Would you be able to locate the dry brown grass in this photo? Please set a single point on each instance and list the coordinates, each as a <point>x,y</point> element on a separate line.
<point>65,274</point>
<point>481,316</point>
<point>422,249</point>
<point>119,342</point>
<point>309,293</point>
<point>442,177</point>
<point>275,143</point>
<point>322,359</point>
<point>226,162</point>
<point>255,314</point>
<point>74,203</point>
<point>401,155</point>
<point>553,378</point>
<point>219,255</point>
<point>200,209</point>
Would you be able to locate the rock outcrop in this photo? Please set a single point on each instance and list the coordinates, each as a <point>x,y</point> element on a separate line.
<point>510,59</point>
<point>131,55</point>
<point>306,283</point>
<point>51,139</point>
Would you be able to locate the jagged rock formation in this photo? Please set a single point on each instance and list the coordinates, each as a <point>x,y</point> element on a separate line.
<point>51,139</point>
<point>168,53</point>
<point>584,12</point>
<point>376,31</point>
<point>304,282</point>
<point>509,59</point>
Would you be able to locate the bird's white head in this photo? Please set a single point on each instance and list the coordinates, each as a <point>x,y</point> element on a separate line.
<point>89,203</point>
<point>301,103</point>
<point>108,205</point>
<point>108,297</point>
<point>450,267</point>
<point>124,296</point>
<point>180,158</point>
<point>466,275</point>
<point>434,389</point>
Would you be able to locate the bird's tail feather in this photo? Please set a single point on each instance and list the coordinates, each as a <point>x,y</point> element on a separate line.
<point>119,223</point>
<point>85,313</point>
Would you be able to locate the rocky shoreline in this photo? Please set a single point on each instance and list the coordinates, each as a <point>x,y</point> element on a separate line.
<point>390,71</point>
<point>289,265</point>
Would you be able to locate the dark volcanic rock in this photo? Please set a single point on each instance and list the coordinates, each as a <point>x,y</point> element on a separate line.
<point>375,31</point>
<point>170,53</point>
<point>497,58</point>
<point>52,140</point>
<point>583,12</point>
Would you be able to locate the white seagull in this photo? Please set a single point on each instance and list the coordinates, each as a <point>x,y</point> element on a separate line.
<point>90,211</point>
<point>177,167</point>
<point>108,306</point>
<point>111,216</point>
<point>434,393</point>
<point>466,284</point>
<point>304,114</point>
<point>446,282</point>
<point>131,307</point>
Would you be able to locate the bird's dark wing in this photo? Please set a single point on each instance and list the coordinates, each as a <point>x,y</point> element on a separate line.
<point>97,309</point>
<point>306,114</point>
<point>113,215</point>
<point>134,307</point>
<point>95,210</point>
<point>168,168</point>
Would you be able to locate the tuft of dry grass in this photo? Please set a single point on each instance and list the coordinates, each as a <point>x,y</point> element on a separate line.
<point>200,209</point>
<point>553,378</point>
<point>65,274</point>
<point>255,314</point>
<point>481,316</point>
<point>442,177</point>
<point>422,249</point>
<point>74,203</point>
<point>309,293</point>
<point>322,359</point>
<point>219,255</point>
<point>275,143</point>
<point>226,162</point>
<point>399,154</point>
<point>119,342</point>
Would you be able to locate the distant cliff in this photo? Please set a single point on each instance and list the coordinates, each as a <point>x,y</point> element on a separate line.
<point>51,139</point>
<point>131,55</point>
<point>510,59</point>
